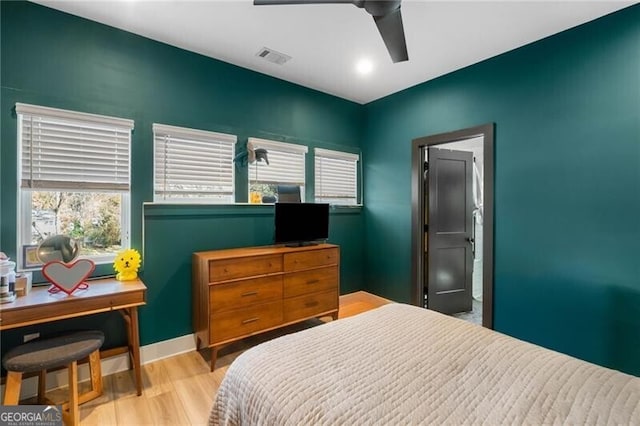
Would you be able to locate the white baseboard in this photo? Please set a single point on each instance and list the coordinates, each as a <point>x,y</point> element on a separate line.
<point>167,348</point>
<point>112,365</point>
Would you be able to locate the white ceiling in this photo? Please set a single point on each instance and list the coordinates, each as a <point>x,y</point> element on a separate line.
<point>326,40</point>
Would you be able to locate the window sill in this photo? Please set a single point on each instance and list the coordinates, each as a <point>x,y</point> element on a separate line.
<point>152,209</point>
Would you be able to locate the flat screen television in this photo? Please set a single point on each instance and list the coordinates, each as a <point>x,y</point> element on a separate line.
<point>298,224</point>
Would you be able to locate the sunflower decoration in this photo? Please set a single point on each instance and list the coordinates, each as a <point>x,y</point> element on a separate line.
<point>126,265</point>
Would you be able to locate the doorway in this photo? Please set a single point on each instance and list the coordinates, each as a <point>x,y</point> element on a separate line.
<point>452,223</point>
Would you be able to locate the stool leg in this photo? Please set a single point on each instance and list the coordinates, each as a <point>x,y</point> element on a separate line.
<point>95,370</point>
<point>74,412</point>
<point>42,386</point>
<point>95,373</point>
<point>12,388</point>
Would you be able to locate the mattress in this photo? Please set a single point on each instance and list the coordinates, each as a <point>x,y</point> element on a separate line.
<point>403,365</point>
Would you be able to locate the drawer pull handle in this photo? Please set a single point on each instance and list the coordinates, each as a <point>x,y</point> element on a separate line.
<point>225,270</point>
<point>270,265</point>
<point>249,293</point>
<point>247,321</point>
<point>311,304</point>
<point>313,281</point>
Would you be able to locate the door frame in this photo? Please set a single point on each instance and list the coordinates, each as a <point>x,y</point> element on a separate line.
<point>487,131</point>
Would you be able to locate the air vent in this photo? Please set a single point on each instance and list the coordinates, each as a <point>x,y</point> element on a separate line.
<point>272,56</point>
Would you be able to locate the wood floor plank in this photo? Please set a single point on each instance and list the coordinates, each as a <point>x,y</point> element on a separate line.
<point>190,365</point>
<point>359,302</point>
<point>123,384</point>
<point>134,410</point>
<point>196,396</point>
<point>167,408</point>
<point>156,379</point>
<point>99,413</point>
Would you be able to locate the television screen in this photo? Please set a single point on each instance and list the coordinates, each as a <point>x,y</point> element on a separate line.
<point>300,223</point>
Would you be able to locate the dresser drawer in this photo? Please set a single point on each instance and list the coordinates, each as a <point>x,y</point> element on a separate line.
<point>243,293</point>
<point>310,259</point>
<point>311,281</point>
<point>243,322</point>
<point>309,305</point>
<point>228,269</point>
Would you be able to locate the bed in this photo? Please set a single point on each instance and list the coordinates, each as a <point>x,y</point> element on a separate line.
<point>403,365</point>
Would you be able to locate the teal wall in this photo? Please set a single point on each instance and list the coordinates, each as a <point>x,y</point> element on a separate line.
<point>50,58</point>
<point>567,185</point>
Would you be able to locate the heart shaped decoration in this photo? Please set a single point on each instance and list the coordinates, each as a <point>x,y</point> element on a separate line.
<point>68,276</point>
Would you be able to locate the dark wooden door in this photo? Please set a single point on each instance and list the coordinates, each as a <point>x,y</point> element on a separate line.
<point>449,231</point>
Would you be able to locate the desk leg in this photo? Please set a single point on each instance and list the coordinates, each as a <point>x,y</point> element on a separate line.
<point>135,348</point>
<point>133,333</point>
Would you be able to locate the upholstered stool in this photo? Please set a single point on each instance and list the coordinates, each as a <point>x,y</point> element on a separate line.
<point>47,353</point>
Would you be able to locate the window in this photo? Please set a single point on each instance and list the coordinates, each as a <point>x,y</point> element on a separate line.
<point>285,167</point>
<point>74,179</point>
<point>336,177</point>
<point>193,165</point>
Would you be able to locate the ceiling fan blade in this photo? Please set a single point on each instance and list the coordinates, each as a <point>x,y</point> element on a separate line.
<point>392,32</point>
<point>277,2</point>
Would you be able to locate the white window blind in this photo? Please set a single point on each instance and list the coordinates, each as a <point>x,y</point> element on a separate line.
<point>336,177</point>
<point>193,165</point>
<point>286,163</point>
<point>68,150</point>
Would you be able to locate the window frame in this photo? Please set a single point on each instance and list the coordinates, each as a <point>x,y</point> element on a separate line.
<point>320,153</point>
<point>197,136</point>
<point>24,206</point>
<point>286,147</point>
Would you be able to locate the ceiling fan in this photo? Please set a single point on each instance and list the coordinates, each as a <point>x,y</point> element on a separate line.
<point>386,14</point>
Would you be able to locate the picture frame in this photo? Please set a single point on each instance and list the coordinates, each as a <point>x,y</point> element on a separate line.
<point>30,257</point>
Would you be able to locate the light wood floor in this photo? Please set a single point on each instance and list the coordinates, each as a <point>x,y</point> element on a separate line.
<point>180,390</point>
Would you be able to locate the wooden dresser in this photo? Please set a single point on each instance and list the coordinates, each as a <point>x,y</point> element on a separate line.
<point>245,291</point>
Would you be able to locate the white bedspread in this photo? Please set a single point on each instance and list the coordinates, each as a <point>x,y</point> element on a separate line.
<point>404,365</point>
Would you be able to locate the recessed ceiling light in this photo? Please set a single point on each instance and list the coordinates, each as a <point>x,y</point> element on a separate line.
<point>364,66</point>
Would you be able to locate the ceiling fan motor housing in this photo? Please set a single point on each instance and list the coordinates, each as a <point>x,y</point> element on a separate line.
<point>378,7</point>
